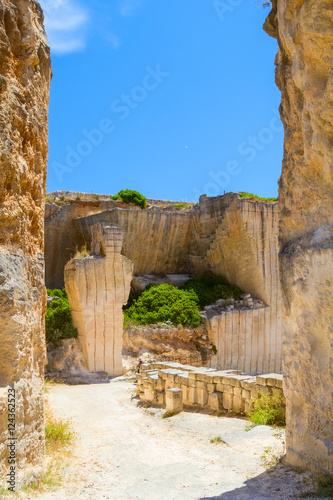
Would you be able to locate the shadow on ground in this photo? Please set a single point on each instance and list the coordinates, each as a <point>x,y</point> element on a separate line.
<point>278,482</point>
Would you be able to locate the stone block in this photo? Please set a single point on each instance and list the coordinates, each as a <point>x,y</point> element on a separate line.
<point>174,400</point>
<point>228,401</point>
<point>160,386</point>
<point>209,378</point>
<point>149,394</point>
<point>220,387</point>
<point>215,401</point>
<point>202,397</point>
<point>246,394</point>
<point>248,383</point>
<point>238,391</point>
<point>211,387</point>
<point>192,395</point>
<point>275,381</point>
<point>228,389</point>
<point>192,376</point>
<point>185,390</point>
<point>262,380</point>
<point>247,406</point>
<point>238,404</point>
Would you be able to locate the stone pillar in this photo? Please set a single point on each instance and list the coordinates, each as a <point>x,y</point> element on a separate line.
<point>174,400</point>
<point>25,74</point>
<point>304,66</point>
<point>98,286</point>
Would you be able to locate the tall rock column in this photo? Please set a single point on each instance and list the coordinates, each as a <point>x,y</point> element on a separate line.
<point>98,286</point>
<point>304,74</point>
<point>25,73</point>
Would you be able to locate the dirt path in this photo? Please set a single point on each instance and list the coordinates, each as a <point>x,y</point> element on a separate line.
<point>127,452</point>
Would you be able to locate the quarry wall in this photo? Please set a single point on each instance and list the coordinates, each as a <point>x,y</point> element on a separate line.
<point>228,235</point>
<point>25,74</point>
<point>304,63</point>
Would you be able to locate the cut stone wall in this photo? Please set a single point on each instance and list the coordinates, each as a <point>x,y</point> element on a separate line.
<point>304,65</point>
<point>156,242</point>
<point>62,237</point>
<point>97,287</point>
<point>25,74</point>
<point>206,388</point>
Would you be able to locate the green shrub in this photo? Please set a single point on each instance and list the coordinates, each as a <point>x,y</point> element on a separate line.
<point>158,304</point>
<point>209,288</point>
<point>182,205</point>
<point>243,194</point>
<point>58,319</point>
<point>130,196</point>
<point>266,410</point>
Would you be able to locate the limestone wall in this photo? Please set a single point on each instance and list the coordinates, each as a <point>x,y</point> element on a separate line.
<point>156,242</point>
<point>25,75</point>
<point>304,63</point>
<point>204,388</point>
<point>244,341</point>
<point>245,250</point>
<point>97,287</point>
<point>61,236</point>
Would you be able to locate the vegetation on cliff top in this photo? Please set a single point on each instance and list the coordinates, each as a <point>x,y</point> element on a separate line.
<point>130,196</point>
<point>58,319</point>
<point>243,194</point>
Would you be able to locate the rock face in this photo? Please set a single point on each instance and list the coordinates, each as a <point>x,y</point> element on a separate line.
<point>25,74</point>
<point>98,287</point>
<point>169,343</point>
<point>62,237</point>
<point>304,30</point>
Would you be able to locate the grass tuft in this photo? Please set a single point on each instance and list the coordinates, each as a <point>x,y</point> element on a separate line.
<point>266,410</point>
<point>217,440</point>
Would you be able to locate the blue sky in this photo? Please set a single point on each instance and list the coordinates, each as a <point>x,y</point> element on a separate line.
<point>173,98</point>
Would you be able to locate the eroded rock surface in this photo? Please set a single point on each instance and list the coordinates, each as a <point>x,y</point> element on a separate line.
<point>98,286</point>
<point>304,30</point>
<point>25,74</point>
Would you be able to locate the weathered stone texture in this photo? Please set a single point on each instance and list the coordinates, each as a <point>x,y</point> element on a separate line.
<point>156,242</point>
<point>98,286</point>
<point>304,30</point>
<point>25,75</point>
<point>62,237</point>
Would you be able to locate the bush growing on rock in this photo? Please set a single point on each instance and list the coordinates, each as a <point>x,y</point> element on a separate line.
<point>165,303</point>
<point>209,288</point>
<point>130,196</point>
<point>58,319</point>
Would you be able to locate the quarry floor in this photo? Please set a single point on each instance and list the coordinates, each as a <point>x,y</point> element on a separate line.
<point>129,452</point>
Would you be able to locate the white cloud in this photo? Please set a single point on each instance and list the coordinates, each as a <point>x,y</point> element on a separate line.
<point>128,7</point>
<point>65,23</point>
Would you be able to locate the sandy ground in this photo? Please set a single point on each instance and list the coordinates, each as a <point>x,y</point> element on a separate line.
<point>129,452</point>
